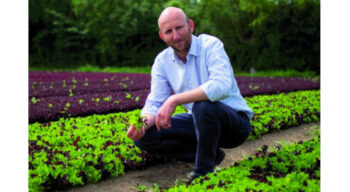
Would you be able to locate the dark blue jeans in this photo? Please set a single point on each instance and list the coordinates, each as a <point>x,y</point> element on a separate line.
<point>199,136</point>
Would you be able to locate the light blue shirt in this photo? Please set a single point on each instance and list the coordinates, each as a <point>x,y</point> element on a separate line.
<point>207,66</point>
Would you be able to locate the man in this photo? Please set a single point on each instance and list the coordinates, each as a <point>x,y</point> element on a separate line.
<point>198,71</point>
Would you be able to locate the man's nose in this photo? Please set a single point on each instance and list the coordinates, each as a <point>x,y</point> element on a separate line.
<point>176,35</point>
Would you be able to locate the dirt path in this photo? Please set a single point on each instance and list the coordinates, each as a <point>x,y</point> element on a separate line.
<point>166,174</point>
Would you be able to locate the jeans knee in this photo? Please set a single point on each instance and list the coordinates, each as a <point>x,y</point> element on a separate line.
<point>139,144</point>
<point>202,106</point>
<point>150,145</point>
<point>204,109</point>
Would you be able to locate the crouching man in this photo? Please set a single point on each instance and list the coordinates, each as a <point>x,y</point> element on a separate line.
<point>199,73</point>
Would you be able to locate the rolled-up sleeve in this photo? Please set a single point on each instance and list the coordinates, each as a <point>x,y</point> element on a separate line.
<point>220,71</point>
<point>160,90</point>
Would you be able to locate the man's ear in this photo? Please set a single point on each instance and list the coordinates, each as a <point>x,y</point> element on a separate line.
<point>191,23</point>
<point>161,35</point>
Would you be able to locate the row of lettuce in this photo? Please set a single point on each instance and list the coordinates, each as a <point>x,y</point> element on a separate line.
<point>45,109</point>
<point>294,167</point>
<point>76,94</point>
<point>80,150</point>
<point>45,84</point>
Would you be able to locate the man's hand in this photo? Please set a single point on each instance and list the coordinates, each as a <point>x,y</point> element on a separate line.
<point>164,114</point>
<point>134,134</point>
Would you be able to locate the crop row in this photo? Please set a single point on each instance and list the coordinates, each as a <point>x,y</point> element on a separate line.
<point>75,151</point>
<point>275,112</point>
<point>250,86</point>
<point>90,83</point>
<point>50,76</point>
<point>44,84</point>
<point>294,167</point>
<point>75,103</point>
<point>45,109</point>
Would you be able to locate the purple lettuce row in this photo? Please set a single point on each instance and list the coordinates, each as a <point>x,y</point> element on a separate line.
<point>49,104</point>
<point>246,79</point>
<point>47,109</point>
<point>68,76</point>
<point>56,88</point>
<point>44,84</point>
<point>273,85</point>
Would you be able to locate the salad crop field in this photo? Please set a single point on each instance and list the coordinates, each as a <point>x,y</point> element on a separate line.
<point>78,123</point>
<point>294,167</point>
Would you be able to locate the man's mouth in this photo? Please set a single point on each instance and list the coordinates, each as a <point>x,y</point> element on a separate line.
<point>178,42</point>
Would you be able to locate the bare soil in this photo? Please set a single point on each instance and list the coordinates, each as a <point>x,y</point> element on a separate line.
<point>166,174</point>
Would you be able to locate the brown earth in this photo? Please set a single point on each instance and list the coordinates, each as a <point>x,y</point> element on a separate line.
<point>165,175</point>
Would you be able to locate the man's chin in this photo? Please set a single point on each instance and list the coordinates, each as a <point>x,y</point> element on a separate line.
<point>179,46</point>
<point>176,49</point>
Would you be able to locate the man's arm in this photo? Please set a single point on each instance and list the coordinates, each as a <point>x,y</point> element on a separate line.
<point>164,114</point>
<point>221,77</point>
<point>160,91</point>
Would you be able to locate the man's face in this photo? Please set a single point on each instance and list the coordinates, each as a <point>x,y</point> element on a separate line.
<point>176,32</point>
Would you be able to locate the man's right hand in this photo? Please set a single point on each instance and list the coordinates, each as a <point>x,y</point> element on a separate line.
<point>134,134</point>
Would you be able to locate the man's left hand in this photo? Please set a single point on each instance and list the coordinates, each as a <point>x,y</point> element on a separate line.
<point>163,118</point>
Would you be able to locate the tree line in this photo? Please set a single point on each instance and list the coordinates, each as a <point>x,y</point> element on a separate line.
<point>264,34</point>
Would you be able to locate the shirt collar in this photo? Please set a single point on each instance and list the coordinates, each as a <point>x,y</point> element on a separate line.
<point>193,49</point>
<point>194,44</point>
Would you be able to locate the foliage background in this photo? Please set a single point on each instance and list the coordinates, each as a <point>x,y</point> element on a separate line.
<point>264,34</point>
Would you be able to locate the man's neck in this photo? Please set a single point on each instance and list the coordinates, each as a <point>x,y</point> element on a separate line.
<point>182,56</point>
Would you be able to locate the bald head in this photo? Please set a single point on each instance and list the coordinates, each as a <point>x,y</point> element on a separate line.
<point>170,13</point>
<point>175,29</point>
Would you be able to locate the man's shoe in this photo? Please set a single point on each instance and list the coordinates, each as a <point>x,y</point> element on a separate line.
<point>192,175</point>
<point>220,155</point>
